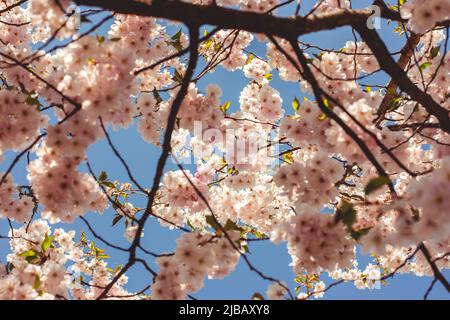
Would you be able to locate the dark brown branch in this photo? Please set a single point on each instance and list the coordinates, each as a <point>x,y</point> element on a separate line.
<point>14,5</point>
<point>97,236</point>
<point>437,273</point>
<point>116,204</point>
<point>19,156</point>
<point>121,159</point>
<point>194,38</point>
<point>237,19</point>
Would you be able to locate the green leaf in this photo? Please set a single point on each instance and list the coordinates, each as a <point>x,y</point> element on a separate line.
<point>116,219</point>
<point>189,223</point>
<point>225,106</point>
<point>269,76</point>
<point>346,213</point>
<point>116,39</point>
<point>328,104</point>
<point>177,76</point>
<point>32,256</point>
<point>37,282</point>
<point>32,101</point>
<point>212,222</point>
<point>177,35</point>
<point>392,91</point>
<point>157,96</point>
<point>288,157</point>
<point>318,56</point>
<point>109,184</point>
<point>230,225</point>
<point>250,58</point>
<point>175,41</point>
<point>83,238</point>
<point>91,61</point>
<point>47,243</point>
<point>209,43</point>
<point>29,253</point>
<point>118,268</point>
<point>103,176</point>
<point>103,256</point>
<point>296,104</point>
<point>399,30</point>
<point>100,39</point>
<point>395,103</point>
<point>425,65</point>
<point>376,184</point>
<point>357,234</point>
<point>259,234</point>
<point>434,52</point>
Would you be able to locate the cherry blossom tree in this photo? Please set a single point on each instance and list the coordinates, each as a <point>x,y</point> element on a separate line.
<point>350,166</point>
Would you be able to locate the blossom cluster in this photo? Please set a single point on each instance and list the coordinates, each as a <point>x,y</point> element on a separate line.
<point>423,15</point>
<point>197,256</point>
<point>47,265</point>
<point>316,243</point>
<point>12,205</point>
<point>21,121</point>
<point>311,183</point>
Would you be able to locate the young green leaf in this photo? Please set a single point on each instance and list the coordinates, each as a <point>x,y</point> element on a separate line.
<point>177,35</point>
<point>425,65</point>
<point>357,234</point>
<point>177,76</point>
<point>376,184</point>
<point>225,106</point>
<point>288,157</point>
<point>296,104</point>
<point>28,253</point>
<point>212,222</point>
<point>157,96</point>
<point>434,52</point>
<point>47,243</point>
<point>230,225</point>
<point>103,176</point>
<point>100,39</point>
<point>109,184</point>
<point>37,282</point>
<point>251,56</point>
<point>346,214</point>
<point>116,219</point>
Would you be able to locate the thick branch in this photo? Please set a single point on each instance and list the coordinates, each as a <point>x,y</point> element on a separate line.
<point>437,273</point>
<point>237,19</point>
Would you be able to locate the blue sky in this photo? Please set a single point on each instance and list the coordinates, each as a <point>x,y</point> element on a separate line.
<point>271,259</point>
